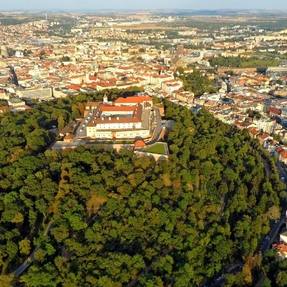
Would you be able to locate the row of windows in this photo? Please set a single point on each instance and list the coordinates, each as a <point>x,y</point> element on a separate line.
<point>119,135</point>
<point>115,126</point>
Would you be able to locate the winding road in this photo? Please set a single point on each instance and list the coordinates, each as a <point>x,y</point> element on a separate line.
<point>22,268</point>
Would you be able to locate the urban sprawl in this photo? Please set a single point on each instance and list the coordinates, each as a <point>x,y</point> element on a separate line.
<point>235,69</point>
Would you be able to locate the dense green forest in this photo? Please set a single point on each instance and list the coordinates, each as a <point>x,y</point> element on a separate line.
<point>4,20</point>
<point>239,62</point>
<point>274,270</point>
<point>31,133</point>
<point>89,217</point>
<point>197,83</point>
<point>267,22</point>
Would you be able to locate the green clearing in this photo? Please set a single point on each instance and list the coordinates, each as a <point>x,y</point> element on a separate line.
<point>158,148</point>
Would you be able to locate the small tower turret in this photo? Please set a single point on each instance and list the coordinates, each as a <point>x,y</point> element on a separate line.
<point>105,99</point>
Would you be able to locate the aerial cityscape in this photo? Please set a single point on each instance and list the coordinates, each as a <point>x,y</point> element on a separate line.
<point>143,143</point>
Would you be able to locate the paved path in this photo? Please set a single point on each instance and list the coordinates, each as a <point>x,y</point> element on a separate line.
<point>22,268</point>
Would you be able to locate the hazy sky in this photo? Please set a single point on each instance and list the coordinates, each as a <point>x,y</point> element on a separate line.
<point>143,4</point>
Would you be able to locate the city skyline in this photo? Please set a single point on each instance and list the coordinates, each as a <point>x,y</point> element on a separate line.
<point>148,4</point>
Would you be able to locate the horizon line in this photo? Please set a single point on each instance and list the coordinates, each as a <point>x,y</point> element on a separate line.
<point>144,9</point>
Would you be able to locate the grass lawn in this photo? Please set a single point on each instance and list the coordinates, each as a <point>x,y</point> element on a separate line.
<point>156,148</point>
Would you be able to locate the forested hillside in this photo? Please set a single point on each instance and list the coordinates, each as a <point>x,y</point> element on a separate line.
<point>104,219</point>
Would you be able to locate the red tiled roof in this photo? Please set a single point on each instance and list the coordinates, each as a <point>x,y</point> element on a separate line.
<point>253,131</point>
<point>74,87</point>
<point>135,118</point>
<point>92,85</point>
<point>106,84</point>
<point>93,78</point>
<point>274,111</point>
<point>283,154</point>
<point>279,149</point>
<point>280,247</point>
<point>134,100</point>
<point>111,108</point>
<point>263,136</point>
<point>139,144</point>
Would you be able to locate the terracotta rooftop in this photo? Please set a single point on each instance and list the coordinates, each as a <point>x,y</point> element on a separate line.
<point>134,100</point>
<point>253,131</point>
<point>283,153</point>
<point>74,87</point>
<point>280,247</point>
<point>263,136</point>
<point>112,108</point>
<point>274,111</point>
<point>135,118</point>
<point>139,144</point>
